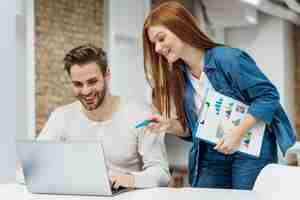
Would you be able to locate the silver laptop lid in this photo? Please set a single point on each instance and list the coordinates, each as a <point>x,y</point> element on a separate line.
<point>64,167</point>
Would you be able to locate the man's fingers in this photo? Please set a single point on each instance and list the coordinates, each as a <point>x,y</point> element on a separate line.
<point>116,185</point>
<point>114,182</point>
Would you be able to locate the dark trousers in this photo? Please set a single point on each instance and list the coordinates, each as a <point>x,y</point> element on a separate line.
<point>236,171</point>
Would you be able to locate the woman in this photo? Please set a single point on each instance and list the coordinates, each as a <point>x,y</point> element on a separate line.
<point>180,62</point>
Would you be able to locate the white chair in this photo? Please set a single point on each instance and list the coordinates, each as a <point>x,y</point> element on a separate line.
<point>178,153</point>
<point>293,155</point>
<point>278,182</point>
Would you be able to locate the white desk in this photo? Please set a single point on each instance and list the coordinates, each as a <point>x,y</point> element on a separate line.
<point>17,191</point>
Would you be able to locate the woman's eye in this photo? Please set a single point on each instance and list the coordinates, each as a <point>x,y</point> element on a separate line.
<point>161,39</point>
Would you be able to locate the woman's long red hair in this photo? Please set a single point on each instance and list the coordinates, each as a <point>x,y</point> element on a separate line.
<point>168,86</point>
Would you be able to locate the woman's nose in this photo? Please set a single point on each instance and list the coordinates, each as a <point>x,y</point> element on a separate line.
<point>158,48</point>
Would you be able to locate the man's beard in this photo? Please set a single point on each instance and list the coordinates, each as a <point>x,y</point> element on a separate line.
<point>99,96</point>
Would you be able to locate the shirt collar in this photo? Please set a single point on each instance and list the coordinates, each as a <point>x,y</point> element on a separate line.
<point>209,61</point>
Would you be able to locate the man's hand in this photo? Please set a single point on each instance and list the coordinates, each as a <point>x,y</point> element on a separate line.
<point>125,180</point>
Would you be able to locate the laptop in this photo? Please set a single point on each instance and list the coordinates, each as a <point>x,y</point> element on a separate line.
<point>69,168</point>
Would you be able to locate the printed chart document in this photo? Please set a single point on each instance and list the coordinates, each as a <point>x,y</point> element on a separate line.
<point>219,114</point>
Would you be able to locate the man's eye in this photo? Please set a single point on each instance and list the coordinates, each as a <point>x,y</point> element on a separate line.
<point>77,85</point>
<point>92,82</point>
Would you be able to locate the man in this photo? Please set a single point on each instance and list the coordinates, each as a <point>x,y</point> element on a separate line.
<point>136,159</point>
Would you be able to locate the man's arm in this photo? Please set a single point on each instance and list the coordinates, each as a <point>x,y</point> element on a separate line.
<point>53,129</point>
<point>155,170</point>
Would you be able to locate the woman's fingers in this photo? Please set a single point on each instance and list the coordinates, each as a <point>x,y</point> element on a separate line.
<point>222,147</point>
<point>155,118</point>
<point>154,127</point>
<point>158,124</point>
<point>219,144</point>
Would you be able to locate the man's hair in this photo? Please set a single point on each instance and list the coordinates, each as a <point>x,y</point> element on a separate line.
<point>85,54</point>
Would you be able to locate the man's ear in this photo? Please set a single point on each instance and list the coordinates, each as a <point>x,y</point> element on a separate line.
<point>107,74</point>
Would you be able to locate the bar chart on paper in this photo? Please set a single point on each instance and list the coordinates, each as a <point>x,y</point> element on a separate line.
<point>220,114</point>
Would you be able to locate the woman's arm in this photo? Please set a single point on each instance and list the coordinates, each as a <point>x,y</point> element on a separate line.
<point>252,82</point>
<point>239,67</point>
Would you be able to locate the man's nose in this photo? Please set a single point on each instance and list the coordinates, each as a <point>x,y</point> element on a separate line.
<point>86,90</point>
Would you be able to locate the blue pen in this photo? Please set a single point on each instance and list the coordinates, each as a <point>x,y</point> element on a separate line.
<point>144,123</point>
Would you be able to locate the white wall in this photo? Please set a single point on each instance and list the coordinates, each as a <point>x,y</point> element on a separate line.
<point>20,62</point>
<point>30,69</point>
<point>125,47</point>
<point>8,80</point>
<point>270,45</point>
<point>26,69</point>
<point>20,7</point>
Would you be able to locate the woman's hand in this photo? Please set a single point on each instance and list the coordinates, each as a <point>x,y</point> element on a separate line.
<point>162,125</point>
<point>231,141</point>
<point>158,124</point>
<point>233,138</point>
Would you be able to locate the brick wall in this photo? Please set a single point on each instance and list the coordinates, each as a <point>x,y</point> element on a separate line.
<point>61,25</point>
<point>297,79</point>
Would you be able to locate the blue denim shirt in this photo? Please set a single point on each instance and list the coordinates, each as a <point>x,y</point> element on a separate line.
<point>234,73</point>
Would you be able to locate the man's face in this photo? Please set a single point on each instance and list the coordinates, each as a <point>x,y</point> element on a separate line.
<point>88,85</point>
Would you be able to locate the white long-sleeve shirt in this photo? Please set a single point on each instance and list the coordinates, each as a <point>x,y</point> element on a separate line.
<point>127,149</point>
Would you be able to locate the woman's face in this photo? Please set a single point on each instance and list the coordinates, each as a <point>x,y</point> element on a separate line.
<point>166,43</point>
